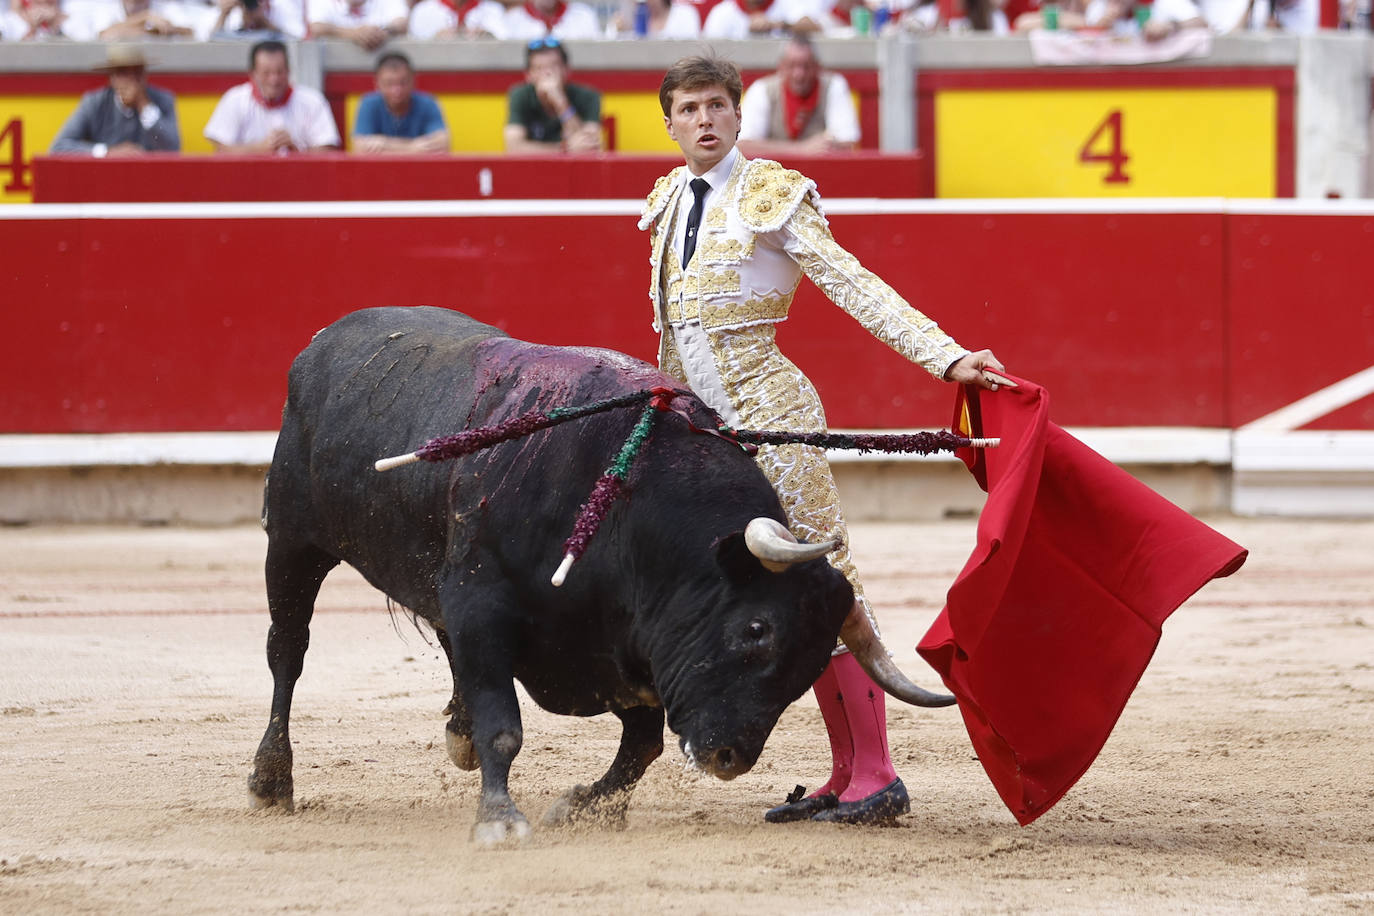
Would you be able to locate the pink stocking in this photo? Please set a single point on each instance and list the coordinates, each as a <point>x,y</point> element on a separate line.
<point>864,708</point>
<point>827,690</point>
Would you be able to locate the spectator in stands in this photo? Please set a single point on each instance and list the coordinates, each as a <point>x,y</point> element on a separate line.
<point>546,113</point>
<point>740,19</point>
<point>269,115</point>
<point>1069,15</point>
<point>799,109</point>
<point>568,20</point>
<point>457,19</point>
<point>660,19</point>
<point>137,20</point>
<point>1299,17</point>
<point>40,20</point>
<point>369,24</point>
<point>839,20</point>
<point>396,118</point>
<point>980,16</point>
<point>1167,17</point>
<point>126,118</point>
<point>257,20</point>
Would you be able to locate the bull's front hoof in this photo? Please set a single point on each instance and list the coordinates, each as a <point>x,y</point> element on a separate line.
<point>502,832</point>
<point>461,751</point>
<point>583,805</point>
<point>271,793</point>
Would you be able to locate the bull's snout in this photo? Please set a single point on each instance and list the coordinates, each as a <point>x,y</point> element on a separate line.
<point>723,762</point>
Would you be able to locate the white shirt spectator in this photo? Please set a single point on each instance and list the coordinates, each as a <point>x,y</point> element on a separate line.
<point>728,19</point>
<point>98,15</point>
<point>572,21</point>
<point>350,15</point>
<point>1223,16</point>
<point>683,22</point>
<point>1297,17</point>
<point>1161,10</point>
<point>240,118</point>
<point>841,120</point>
<point>430,17</point>
<point>74,25</point>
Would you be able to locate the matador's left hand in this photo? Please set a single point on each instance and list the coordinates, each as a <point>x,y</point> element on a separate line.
<point>981,369</point>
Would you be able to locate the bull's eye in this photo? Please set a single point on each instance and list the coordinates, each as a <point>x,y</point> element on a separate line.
<point>759,629</point>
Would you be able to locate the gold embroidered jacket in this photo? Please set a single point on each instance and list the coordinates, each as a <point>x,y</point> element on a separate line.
<point>756,240</point>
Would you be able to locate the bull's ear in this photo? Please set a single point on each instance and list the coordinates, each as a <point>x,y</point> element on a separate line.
<point>735,560</point>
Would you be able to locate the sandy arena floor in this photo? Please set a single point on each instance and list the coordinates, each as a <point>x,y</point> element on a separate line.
<point>133,692</point>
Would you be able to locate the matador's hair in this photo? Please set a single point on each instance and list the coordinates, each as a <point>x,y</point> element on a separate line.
<point>698,73</point>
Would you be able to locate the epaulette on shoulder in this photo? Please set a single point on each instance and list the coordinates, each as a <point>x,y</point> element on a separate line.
<point>771,194</point>
<point>658,198</point>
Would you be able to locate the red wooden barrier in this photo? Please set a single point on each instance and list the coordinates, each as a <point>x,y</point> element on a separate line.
<point>339,176</point>
<point>1198,318</point>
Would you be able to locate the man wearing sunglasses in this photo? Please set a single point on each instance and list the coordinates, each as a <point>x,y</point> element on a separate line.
<point>548,114</point>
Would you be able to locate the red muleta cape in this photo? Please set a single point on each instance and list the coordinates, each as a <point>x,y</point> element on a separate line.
<point>1054,617</point>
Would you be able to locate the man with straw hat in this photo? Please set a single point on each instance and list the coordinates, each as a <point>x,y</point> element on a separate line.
<point>126,118</point>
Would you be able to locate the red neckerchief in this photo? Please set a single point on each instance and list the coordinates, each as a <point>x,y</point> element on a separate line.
<point>460,8</point>
<point>797,109</point>
<point>751,10</point>
<point>279,103</point>
<point>550,19</point>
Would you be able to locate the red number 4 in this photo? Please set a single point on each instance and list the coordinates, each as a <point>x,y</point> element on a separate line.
<point>1115,156</point>
<point>14,132</point>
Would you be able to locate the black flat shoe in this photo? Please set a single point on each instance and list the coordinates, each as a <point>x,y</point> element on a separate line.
<point>882,807</point>
<point>799,807</point>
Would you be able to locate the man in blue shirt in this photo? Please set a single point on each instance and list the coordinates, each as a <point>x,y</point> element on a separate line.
<point>396,118</point>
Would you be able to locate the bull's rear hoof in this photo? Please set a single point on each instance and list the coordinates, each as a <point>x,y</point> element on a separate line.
<point>500,833</point>
<point>461,751</point>
<point>582,805</point>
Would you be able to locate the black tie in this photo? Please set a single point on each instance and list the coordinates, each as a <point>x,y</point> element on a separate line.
<point>699,188</point>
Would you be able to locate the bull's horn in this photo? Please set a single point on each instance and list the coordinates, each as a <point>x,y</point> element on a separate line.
<point>777,549</point>
<point>868,650</point>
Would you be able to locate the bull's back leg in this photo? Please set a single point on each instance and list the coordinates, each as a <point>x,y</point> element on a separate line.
<point>605,801</point>
<point>484,644</point>
<point>294,575</point>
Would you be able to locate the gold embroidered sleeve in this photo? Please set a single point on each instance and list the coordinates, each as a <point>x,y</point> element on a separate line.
<point>864,296</point>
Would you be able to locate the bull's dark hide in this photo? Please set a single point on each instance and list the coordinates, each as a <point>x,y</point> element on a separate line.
<point>666,613</point>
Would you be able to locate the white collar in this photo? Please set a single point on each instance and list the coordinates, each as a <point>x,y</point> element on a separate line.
<point>719,173</point>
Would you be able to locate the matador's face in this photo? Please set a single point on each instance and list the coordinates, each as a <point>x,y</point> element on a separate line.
<point>705,124</point>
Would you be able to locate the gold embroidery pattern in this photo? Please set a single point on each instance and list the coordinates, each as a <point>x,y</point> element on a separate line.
<point>771,194</point>
<point>865,297</point>
<point>724,250</point>
<point>715,283</point>
<point>728,314</point>
<point>770,392</point>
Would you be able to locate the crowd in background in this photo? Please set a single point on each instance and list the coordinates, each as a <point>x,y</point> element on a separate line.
<point>371,23</point>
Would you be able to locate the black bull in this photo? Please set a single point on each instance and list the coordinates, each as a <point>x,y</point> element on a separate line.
<point>666,613</point>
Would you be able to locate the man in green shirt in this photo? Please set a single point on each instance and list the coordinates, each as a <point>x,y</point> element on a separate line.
<point>546,113</point>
